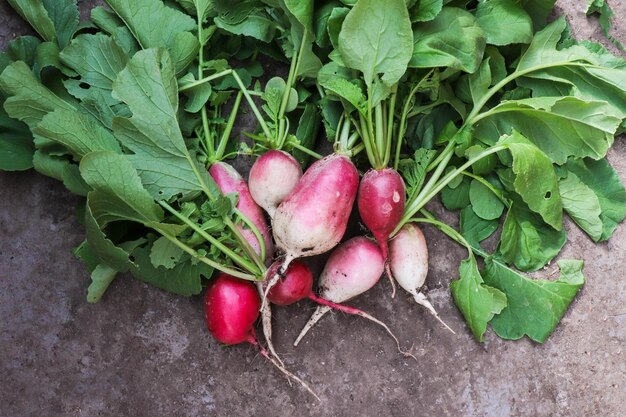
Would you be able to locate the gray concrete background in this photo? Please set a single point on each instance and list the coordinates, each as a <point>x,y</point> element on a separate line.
<point>143,352</point>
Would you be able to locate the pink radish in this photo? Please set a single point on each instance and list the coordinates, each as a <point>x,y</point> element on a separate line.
<point>313,217</point>
<point>229,181</point>
<point>381,201</point>
<point>272,177</point>
<point>409,263</point>
<point>231,307</point>
<point>353,268</point>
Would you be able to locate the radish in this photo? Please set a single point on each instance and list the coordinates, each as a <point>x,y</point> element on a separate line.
<point>353,268</point>
<point>313,217</point>
<point>409,264</point>
<point>231,306</point>
<point>272,177</point>
<point>381,201</point>
<point>229,181</point>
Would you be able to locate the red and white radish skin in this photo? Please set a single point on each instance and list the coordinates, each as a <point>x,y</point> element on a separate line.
<point>409,264</point>
<point>230,181</point>
<point>313,217</point>
<point>353,268</point>
<point>272,177</point>
<point>231,306</point>
<point>381,201</point>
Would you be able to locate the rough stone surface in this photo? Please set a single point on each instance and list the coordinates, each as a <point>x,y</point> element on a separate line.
<point>143,352</point>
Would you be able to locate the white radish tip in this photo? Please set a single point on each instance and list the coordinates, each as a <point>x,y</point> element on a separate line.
<point>315,317</point>
<point>423,301</point>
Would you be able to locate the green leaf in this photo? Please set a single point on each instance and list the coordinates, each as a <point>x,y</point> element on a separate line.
<point>348,91</point>
<point>118,193</point>
<point>79,133</point>
<point>605,13</point>
<point>184,279</point>
<point>535,307</point>
<point>589,73</point>
<point>16,144</point>
<point>478,302</point>
<point>36,15</point>
<point>164,253</point>
<point>101,277</point>
<point>23,49</point>
<point>560,126</point>
<point>535,179</point>
<point>376,39</point>
<point>528,242</point>
<point>539,11</point>
<point>457,198</point>
<point>414,170</point>
<point>425,10</point>
<point>28,100</point>
<point>484,202</point>
<point>307,131</point>
<point>606,184</point>
<point>257,26</point>
<point>156,25</point>
<point>101,246</point>
<point>453,39</point>
<point>582,205</point>
<point>97,59</point>
<point>504,22</point>
<point>65,18</point>
<point>302,10</point>
<point>148,86</point>
<point>474,229</point>
<point>335,21</point>
<point>61,169</point>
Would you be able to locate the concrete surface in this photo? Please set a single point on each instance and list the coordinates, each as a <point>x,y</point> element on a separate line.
<point>143,352</point>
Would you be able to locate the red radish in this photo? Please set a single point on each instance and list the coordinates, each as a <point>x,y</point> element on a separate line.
<point>272,177</point>
<point>409,263</point>
<point>353,268</point>
<point>231,306</point>
<point>313,217</point>
<point>381,201</point>
<point>229,181</point>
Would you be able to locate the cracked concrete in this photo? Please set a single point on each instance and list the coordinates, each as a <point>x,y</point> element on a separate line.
<point>143,352</point>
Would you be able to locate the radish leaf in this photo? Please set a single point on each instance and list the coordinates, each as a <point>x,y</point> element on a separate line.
<point>478,302</point>
<point>534,307</point>
<point>376,38</point>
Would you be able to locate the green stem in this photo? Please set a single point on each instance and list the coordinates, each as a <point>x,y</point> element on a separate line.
<point>493,90</point>
<point>227,251</point>
<point>380,135</point>
<point>258,259</point>
<point>306,150</point>
<point>430,191</point>
<point>243,89</point>
<point>449,231</point>
<point>219,154</point>
<point>390,124</point>
<point>206,260</point>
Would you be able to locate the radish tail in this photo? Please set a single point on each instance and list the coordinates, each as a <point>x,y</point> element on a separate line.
<point>361,313</point>
<point>317,315</point>
<point>423,301</point>
<point>266,320</point>
<point>382,243</point>
<point>281,367</point>
<point>281,272</point>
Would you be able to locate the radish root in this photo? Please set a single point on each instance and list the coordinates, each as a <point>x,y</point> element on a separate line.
<point>390,276</point>
<point>281,367</point>
<point>281,271</point>
<point>423,301</point>
<point>266,321</point>
<point>326,306</point>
